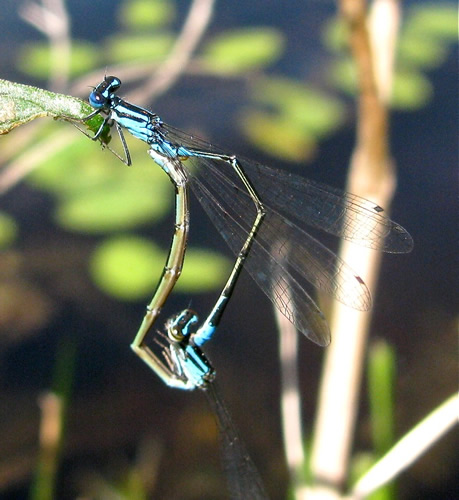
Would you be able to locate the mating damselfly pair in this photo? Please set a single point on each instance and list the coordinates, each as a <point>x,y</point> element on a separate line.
<point>258,210</point>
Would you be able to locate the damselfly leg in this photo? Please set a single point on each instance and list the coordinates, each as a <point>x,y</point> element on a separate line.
<point>259,208</point>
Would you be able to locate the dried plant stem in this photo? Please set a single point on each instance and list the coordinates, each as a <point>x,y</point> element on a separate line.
<point>371,175</point>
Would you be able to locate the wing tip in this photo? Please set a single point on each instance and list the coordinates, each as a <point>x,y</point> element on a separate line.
<point>403,238</point>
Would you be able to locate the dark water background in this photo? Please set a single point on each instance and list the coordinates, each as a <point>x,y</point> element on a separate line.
<point>116,399</point>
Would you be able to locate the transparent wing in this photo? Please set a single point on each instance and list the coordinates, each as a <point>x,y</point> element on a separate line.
<point>272,276</point>
<point>307,202</point>
<point>244,480</point>
<point>284,260</point>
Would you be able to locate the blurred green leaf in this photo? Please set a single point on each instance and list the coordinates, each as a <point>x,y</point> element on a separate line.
<point>72,170</point>
<point>8,230</point>
<point>381,383</point>
<point>343,75</point>
<point>426,34</point>
<point>411,90</point>
<point>127,267</point>
<point>335,35</point>
<point>297,117</point>
<point>242,50</point>
<point>381,374</point>
<point>203,271</point>
<point>35,59</point>
<point>314,111</point>
<point>436,21</point>
<point>135,483</point>
<point>151,48</point>
<point>140,14</point>
<point>276,136</point>
<point>420,52</point>
<point>20,104</point>
<point>110,207</point>
<point>97,195</point>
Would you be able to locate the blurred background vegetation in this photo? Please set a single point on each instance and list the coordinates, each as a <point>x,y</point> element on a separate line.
<point>83,238</point>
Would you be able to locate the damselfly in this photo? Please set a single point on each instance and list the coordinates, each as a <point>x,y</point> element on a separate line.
<point>188,368</point>
<point>183,365</point>
<point>253,207</point>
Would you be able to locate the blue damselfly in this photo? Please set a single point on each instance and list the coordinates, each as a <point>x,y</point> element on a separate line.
<point>188,368</point>
<point>255,208</point>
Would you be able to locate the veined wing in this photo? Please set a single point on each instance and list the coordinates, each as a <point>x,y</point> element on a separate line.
<point>284,259</point>
<point>244,480</point>
<point>327,208</point>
